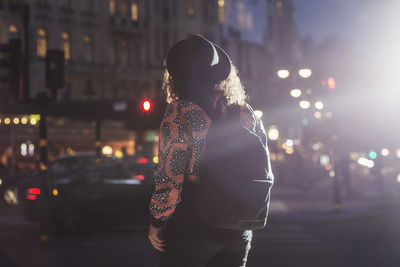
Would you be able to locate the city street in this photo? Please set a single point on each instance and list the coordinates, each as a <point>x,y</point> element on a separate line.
<point>302,232</point>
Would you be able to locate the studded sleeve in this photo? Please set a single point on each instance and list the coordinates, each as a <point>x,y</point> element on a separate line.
<point>170,171</point>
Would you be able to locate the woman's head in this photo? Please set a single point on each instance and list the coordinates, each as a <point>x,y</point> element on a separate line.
<point>197,68</point>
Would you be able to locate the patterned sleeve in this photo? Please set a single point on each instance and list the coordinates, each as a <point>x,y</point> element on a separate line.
<point>197,124</point>
<point>170,171</point>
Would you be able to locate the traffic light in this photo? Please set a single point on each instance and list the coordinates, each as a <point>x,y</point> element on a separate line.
<point>54,70</point>
<point>146,105</point>
<point>10,63</point>
<point>144,113</point>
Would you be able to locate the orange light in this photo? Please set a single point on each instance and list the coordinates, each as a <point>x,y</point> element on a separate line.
<point>331,83</point>
<point>146,105</point>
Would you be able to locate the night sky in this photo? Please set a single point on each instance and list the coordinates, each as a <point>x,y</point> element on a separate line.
<point>369,25</point>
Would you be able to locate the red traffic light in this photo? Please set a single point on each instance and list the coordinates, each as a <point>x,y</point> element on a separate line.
<point>146,105</point>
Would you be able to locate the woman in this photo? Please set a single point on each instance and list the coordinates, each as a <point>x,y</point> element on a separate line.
<point>201,85</point>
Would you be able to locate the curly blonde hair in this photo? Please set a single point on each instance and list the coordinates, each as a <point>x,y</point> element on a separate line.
<point>232,87</point>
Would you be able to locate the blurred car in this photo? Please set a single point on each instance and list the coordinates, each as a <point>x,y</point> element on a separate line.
<point>12,188</point>
<point>104,192</point>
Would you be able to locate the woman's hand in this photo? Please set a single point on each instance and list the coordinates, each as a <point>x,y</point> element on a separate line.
<point>155,238</point>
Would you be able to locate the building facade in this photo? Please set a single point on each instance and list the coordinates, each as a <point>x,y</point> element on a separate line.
<point>114,49</point>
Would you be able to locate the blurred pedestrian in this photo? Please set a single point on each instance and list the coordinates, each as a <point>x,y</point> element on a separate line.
<point>202,87</point>
<point>377,172</point>
<point>343,171</point>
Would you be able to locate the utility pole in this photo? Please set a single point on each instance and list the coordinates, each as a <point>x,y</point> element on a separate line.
<point>54,81</point>
<point>44,178</point>
<point>98,142</point>
<point>26,61</point>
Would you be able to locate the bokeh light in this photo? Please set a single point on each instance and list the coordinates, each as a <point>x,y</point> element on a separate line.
<point>372,155</point>
<point>33,121</point>
<point>273,133</point>
<point>305,73</point>
<point>385,152</point>
<point>317,115</point>
<point>107,150</point>
<point>304,104</point>
<point>295,92</point>
<point>365,162</point>
<point>283,74</point>
<point>258,113</point>
<point>319,105</point>
<point>119,154</point>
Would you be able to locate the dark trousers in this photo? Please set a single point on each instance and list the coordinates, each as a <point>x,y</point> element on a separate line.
<point>191,248</point>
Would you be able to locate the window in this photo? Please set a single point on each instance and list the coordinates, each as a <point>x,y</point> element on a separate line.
<point>66,3</point>
<point>190,7</point>
<point>13,30</point>
<point>124,53</point>
<point>157,44</point>
<point>113,8</point>
<point>279,6</point>
<point>166,42</point>
<point>221,11</point>
<point>208,8</point>
<point>88,5</point>
<point>41,43</point>
<point>114,52</point>
<point>174,8</point>
<point>134,11</point>
<point>66,45</point>
<point>124,8</point>
<point>88,48</point>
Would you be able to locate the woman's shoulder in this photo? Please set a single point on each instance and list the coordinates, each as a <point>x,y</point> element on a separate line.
<point>192,115</point>
<point>250,120</point>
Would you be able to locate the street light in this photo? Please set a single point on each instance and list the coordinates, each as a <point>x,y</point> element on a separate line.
<point>304,104</point>
<point>319,105</point>
<point>305,73</point>
<point>146,105</point>
<point>283,74</point>
<point>107,150</point>
<point>385,152</point>
<point>273,133</point>
<point>295,92</point>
